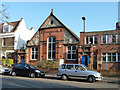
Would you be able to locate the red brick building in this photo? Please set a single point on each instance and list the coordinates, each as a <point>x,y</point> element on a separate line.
<point>52,41</point>
<point>102,48</point>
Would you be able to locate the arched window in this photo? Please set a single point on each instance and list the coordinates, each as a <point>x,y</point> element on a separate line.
<point>51,45</point>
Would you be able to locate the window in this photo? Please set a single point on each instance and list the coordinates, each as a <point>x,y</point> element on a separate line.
<point>3,42</point>
<point>118,38</point>
<point>109,39</point>
<point>91,40</point>
<point>114,38</point>
<point>34,53</point>
<point>70,67</point>
<point>114,57</point>
<point>119,57</point>
<point>110,57</point>
<point>104,57</point>
<point>6,28</point>
<point>95,39</point>
<point>51,48</point>
<point>78,67</point>
<point>71,53</point>
<point>104,39</point>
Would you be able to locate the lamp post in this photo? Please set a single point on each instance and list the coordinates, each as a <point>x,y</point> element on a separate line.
<point>83,18</point>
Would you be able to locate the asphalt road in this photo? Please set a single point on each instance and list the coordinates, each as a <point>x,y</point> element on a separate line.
<point>51,81</point>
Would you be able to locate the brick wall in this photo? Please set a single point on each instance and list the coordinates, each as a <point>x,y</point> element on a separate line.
<point>100,48</point>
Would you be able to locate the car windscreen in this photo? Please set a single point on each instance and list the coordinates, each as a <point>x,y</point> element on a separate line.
<point>86,67</point>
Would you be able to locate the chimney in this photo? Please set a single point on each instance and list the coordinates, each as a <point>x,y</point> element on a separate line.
<point>118,26</point>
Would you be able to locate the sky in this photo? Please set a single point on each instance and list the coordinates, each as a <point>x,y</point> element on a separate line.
<point>100,16</point>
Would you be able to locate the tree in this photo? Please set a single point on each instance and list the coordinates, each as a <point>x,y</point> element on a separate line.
<point>3,13</point>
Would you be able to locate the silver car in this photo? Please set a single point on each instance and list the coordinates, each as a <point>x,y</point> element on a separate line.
<point>78,70</point>
<point>4,70</point>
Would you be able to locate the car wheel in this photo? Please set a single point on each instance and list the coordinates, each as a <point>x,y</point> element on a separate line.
<point>32,75</point>
<point>91,79</point>
<point>64,77</point>
<point>42,75</point>
<point>13,73</point>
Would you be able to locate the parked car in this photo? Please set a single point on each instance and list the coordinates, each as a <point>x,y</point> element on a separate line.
<point>26,70</point>
<point>4,70</point>
<point>78,70</point>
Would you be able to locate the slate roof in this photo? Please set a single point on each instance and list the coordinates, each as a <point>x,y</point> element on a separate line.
<point>14,24</point>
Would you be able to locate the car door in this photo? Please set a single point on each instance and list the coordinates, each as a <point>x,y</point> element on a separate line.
<point>17,69</point>
<point>80,71</point>
<point>25,69</point>
<point>70,70</point>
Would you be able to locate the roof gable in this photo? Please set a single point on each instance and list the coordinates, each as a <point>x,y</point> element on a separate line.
<point>56,23</point>
<point>51,22</point>
<point>34,40</point>
<point>13,25</point>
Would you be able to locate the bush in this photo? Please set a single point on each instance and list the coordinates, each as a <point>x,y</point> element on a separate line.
<point>47,64</point>
<point>7,62</point>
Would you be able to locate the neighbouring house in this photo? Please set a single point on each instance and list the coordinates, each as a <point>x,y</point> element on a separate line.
<point>102,49</point>
<point>53,41</point>
<point>13,36</point>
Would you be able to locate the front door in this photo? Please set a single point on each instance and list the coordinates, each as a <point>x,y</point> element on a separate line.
<point>95,57</point>
<point>22,59</point>
<point>85,60</point>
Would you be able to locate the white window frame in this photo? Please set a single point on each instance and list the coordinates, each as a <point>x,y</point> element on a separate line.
<point>51,47</point>
<point>105,40</point>
<point>70,52</point>
<point>111,57</point>
<point>93,37</point>
<point>8,27</point>
<point>117,57</point>
<point>34,53</point>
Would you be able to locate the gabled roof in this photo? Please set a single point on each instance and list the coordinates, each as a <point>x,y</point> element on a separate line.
<point>14,24</point>
<point>51,14</point>
<point>60,25</point>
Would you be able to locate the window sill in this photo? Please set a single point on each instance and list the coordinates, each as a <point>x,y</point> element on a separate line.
<point>110,61</point>
<point>110,43</point>
<point>50,59</point>
<point>33,60</point>
<point>71,59</point>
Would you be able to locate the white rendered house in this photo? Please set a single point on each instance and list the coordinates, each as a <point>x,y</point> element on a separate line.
<point>14,36</point>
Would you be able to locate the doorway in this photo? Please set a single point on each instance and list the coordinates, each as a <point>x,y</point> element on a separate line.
<point>95,58</point>
<point>85,60</point>
<point>22,59</point>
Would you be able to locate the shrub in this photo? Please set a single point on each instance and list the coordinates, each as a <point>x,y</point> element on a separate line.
<point>48,64</point>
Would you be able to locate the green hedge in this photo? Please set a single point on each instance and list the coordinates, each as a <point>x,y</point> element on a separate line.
<point>48,64</point>
<point>8,62</point>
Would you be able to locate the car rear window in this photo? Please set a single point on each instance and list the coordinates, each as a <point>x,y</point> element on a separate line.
<point>70,67</point>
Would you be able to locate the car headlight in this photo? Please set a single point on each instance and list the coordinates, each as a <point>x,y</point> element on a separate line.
<point>37,71</point>
<point>98,75</point>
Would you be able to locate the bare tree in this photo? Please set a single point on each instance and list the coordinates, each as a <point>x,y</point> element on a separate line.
<point>3,12</point>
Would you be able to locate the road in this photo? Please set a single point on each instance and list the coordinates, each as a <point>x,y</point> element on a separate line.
<point>51,81</point>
